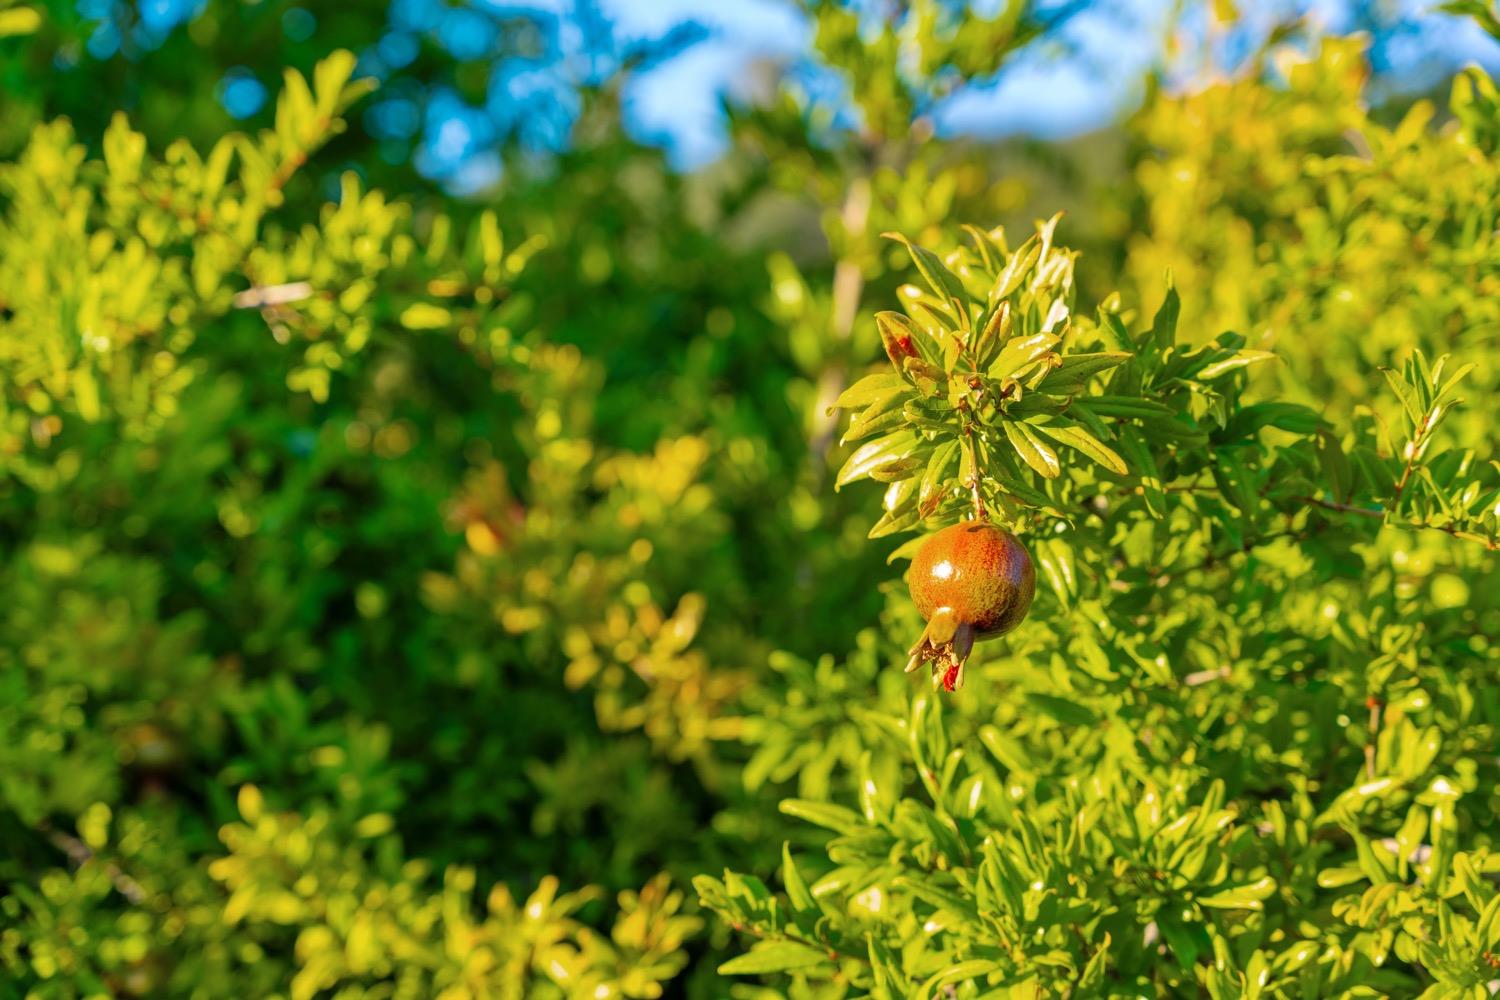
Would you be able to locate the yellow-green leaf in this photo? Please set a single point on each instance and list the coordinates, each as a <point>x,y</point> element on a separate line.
<point>1033,450</point>
<point>1077,438</point>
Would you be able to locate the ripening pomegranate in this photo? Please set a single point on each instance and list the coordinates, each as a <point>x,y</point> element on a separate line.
<point>971,581</point>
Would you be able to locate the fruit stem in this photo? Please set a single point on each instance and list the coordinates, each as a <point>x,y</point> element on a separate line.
<point>980,514</point>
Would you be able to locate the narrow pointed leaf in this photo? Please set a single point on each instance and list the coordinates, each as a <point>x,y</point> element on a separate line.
<point>873,454</point>
<point>1073,374</point>
<point>1241,360</point>
<point>1018,353</point>
<point>773,956</point>
<point>943,282</point>
<point>870,389</point>
<point>1081,440</point>
<point>1033,450</point>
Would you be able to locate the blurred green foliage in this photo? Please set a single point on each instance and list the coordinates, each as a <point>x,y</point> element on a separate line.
<point>409,596</point>
<point>1281,211</point>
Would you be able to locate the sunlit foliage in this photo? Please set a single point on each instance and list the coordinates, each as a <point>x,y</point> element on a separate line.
<point>404,596</point>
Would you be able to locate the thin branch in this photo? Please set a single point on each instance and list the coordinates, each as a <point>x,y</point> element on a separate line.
<point>979,510</point>
<point>756,932</point>
<point>80,854</point>
<point>1412,447</point>
<point>1201,677</point>
<point>1452,530</point>
<point>1378,512</point>
<point>260,296</point>
<point>1490,544</point>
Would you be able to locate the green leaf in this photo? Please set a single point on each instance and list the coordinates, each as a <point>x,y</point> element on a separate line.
<point>1125,406</point>
<point>1446,389</point>
<point>1093,972</point>
<point>1246,897</point>
<point>1022,490</point>
<point>898,469</point>
<point>873,454</point>
<point>1077,438</point>
<point>1007,750</point>
<point>1243,359</point>
<point>934,480</point>
<point>1063,709</point>
<point>124,148</point>
<point>331,83</point>
<point>1487,929</point>
<point>1378,866</point>
<point>490,242</point>
<point>892,522</point>
<point>996,328</point>
<point>941,898</point>
<point>86,394</point>
<point>943,282</point>
<point>824,814</point>
<point>1477,9</point>
<point>928,378</point>
<point>425,316</point>
<point>1337,878</point>
<point>1289,417</point>
<point>1143,463</point>
<point>1018,353</point>
<point>1352,800</point>
<point>1056,560</point>
<point>796,889</point>
<point>1073,374</point>
<point>1115,334</point>
<point>906,550</point>
<point>1018,268</point>
<point>1336,468</point>
<point>1163,333</point>
<point>1183,939</point>
<point>296,112</point>
<point>19,21</point>
<point>708,886</point>
<point>1033,450</point>
<point>882,415</point>
<point>959,973</point>
<point>1236,482</point>
<point>982,244</point>
<point>900,496</point>
<point>1404,393</point>
<point>870,389</point>
<point>773,956</point>
<point>747,887</point>
<point>1375,470</point>
<point>890,980</point>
